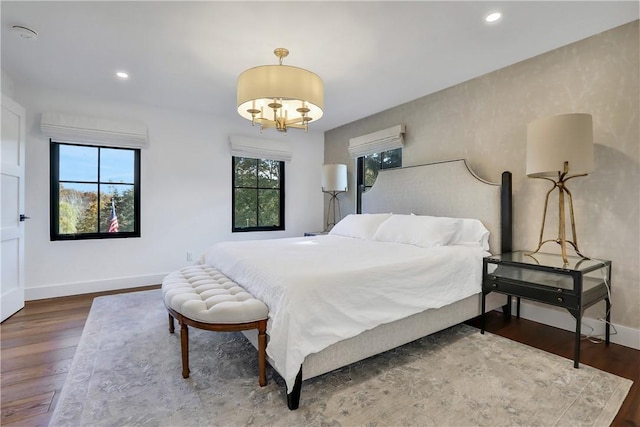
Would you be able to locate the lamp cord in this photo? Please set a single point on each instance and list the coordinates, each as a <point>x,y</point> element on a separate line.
<point>597,339</point>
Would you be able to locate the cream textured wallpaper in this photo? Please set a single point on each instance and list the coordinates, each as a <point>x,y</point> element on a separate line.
<point>484,120</point>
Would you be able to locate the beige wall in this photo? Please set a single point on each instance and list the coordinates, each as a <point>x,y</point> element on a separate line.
<point>484,120</point>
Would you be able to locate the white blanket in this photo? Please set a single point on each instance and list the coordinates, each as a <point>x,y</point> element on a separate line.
<point>324,289</point>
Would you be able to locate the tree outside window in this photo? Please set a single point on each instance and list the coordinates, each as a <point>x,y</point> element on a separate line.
<point>368,167</point>
<point>258,194</point>
<point>373,163</point>
<point>94,192</point>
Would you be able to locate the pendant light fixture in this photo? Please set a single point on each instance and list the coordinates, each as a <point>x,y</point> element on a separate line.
<point>280,96</point>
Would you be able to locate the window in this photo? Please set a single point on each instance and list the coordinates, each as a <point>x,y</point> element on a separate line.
<point>258,194</point>
<point>369,165</point>
<point>95,192</point>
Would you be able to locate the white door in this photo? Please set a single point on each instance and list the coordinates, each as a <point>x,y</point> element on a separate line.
<point>12,208</point>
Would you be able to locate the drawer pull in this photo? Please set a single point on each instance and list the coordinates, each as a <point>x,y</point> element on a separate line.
<point>495,285</point>
<point>560,299</point>
<point>559,290</point>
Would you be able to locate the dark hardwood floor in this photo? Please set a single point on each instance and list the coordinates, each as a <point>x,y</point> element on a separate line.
<point>36,349</point>
<point>38,343</point>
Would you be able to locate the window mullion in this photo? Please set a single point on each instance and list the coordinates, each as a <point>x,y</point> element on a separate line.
<point>257,207</point>
<point>257,187</point>
<point>99,190</point>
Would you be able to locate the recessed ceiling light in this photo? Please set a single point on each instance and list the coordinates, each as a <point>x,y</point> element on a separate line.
<point>24,32</point>
<point>122,75</point>
<point>493,17</point>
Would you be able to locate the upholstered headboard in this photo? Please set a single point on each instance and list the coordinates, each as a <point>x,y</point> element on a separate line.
<point>446,189</point>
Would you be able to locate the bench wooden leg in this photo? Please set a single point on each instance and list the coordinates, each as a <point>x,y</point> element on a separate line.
<point>184,344</point>
<point>262,353</point>
<point>261,325</point>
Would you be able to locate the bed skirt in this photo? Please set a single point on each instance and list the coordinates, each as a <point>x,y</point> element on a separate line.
<point>391,335</point>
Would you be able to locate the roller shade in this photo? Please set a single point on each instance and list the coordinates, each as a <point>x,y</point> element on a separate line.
<point>64,127</point>
<point>383,140</point>
<point>257,148</point>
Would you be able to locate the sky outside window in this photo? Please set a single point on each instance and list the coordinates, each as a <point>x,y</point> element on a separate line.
<point>116,165</point>
<point>80,163</point>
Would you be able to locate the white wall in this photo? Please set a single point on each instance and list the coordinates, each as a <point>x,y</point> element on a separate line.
<point>8,87</point>
<point>185,196</point>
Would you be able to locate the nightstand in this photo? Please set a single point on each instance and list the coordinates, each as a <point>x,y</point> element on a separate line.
<point>545,278</point>
<point>315,233</point>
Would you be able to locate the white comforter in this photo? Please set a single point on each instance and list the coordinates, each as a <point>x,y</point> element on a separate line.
<point>324,289</point>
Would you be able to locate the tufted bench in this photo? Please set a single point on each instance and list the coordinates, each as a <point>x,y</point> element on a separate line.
<point>202,297</point>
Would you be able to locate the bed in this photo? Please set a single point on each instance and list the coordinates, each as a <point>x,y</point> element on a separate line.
<point>326,313</point>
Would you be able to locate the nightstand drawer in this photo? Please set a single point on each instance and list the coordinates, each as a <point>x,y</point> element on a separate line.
<point>555,296</point>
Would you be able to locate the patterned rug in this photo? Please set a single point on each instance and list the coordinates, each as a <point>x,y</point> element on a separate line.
<point>126,371</point>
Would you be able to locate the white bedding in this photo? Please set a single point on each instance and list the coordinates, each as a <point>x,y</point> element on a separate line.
<point>323,289</point>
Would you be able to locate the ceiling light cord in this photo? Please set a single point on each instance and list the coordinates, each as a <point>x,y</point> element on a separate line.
<point>281,53</point>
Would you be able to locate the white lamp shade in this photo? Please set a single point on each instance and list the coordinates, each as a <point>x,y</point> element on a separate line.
<point>551,141</point>
<point>334,178</point>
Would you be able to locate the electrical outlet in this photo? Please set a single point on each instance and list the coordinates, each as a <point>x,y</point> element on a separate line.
<point>189,256</point>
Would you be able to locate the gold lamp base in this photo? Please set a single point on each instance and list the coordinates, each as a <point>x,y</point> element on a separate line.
<point>561,239</point>
<point>334,205</point>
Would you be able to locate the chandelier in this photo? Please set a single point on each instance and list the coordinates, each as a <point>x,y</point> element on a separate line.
<point>280,96</point>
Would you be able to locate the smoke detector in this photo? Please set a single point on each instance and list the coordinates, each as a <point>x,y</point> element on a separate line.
<point>24,32</point>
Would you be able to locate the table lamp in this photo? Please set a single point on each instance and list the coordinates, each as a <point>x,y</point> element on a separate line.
<point>334,182</point>
<point>560,148</point>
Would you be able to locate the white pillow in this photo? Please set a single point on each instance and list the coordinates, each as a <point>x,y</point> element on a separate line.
<point>419,230</point>
<point>471,233</point>
<point>360,226</point>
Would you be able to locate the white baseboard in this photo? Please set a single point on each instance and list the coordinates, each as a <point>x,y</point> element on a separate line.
<point>77,288</point>
<point>559,318</point>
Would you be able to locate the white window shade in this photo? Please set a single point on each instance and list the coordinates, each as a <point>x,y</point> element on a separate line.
<point>376,142</point>
<point>256,148</point>
<point>63,127</point>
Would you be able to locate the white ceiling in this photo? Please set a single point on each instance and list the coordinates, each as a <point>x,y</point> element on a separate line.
<point>371,55</point>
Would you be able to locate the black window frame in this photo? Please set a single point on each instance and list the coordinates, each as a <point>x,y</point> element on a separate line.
<point>54,201</point>
<point>360,175</point>
<point>281,173</point>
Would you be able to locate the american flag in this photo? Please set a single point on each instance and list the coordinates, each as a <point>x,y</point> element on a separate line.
<point>113,220</point>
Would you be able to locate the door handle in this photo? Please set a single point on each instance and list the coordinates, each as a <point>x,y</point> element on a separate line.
<point>23,217</point>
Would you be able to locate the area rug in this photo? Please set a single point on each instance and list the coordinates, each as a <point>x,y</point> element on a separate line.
<point>126,371</point>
